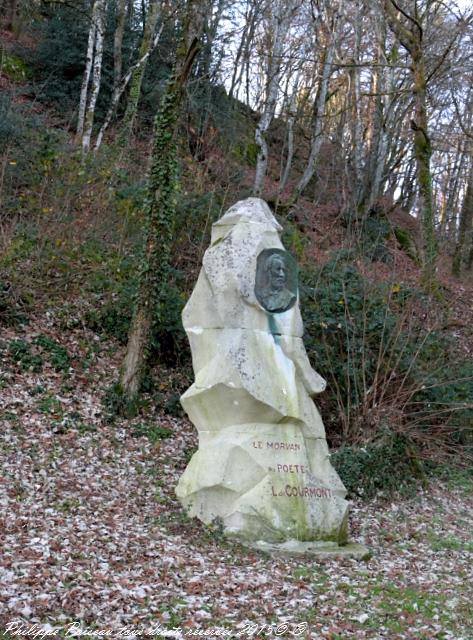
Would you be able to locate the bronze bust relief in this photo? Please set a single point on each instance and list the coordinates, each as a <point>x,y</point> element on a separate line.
<point>276,280</point>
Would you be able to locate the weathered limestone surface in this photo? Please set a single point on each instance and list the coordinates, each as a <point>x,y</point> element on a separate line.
<point>263,464</point>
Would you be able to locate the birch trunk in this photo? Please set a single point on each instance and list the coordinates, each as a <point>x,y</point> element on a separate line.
<point>87,71</point>
<point>121,89</point>
<point>96,75</point>
<point>117,69</point>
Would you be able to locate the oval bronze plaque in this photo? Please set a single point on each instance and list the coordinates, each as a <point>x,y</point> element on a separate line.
<point>276,280</point>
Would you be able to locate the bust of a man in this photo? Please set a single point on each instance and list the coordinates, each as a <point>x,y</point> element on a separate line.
<point>275,288</point>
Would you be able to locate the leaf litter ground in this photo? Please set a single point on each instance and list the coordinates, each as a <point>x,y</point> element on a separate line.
<point>91,534</point>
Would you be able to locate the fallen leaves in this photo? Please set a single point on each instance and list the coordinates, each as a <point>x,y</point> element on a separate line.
<point>90,531</point>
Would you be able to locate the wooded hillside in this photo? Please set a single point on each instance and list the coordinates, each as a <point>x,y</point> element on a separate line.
<point>126,130</point>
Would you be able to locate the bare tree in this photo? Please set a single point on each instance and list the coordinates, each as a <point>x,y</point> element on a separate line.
<point>408,29</point>
<point>280,16</point>
<point>329,25</point>
<point>94,61</point>
<point>89,58</point>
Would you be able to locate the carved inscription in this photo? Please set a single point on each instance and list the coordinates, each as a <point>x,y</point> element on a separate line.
<point>302,492</point>
<point>289,490</point>
<point>291,468</point>
<point>277,446</point>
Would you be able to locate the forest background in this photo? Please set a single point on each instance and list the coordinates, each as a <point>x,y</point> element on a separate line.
<point>127,128</point>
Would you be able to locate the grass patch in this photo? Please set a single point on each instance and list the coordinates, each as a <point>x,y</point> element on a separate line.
<point>154,432</point>
<point>58,355</point>
<point>449,543</point>
<point>50,406</point>
<point>21,353</point>
<point>398,609</point>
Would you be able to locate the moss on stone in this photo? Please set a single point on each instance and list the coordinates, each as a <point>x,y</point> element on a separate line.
<point>407,243</point>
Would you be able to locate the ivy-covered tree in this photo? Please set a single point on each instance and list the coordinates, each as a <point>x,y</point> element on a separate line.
<point>160,214</point>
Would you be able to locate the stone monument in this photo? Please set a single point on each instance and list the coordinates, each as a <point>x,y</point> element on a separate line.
<point>263,465</point>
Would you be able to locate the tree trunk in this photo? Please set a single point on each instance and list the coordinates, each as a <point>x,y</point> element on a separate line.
<point>243,47</point>
<point>451,205</point>
<point>357,123</point>
<point>135,354</point>
<point>117,45</point>
<point>117,69</point>
<point>89,58</point>
<point>423,152</point>
<point>280,26</point>
<point>291,117</point>
<point>11,15</point>
<point>136,81</point>
<point>411,40</point>
<point>162,186</point>
<point>465,226</point>
<point>378,148</point>
<point>469,262</point>
<point>123,85</point>
<point>96,75</point>
<point>319,110</point>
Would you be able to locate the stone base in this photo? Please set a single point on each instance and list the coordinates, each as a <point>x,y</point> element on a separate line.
<point>317,549</point>
<point>266,482</point>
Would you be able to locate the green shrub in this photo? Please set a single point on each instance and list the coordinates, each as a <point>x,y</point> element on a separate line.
<point>407,243</point>
<point>169,400</point>
<point>20,351</point>
<point>448,392</point>
<point>374,233</point>
<point>388,466</point>
<point>371,233</point>
<point>345,323</point>
<point>50,405</point>
<point>11,122</point>
<point>14,67</point>
<point>169,339</point>
<point>57,354</point>
<point>251,154</point>
<point>114,317</point>
<point>115,403</point>
<point>386,369</point>
<point>11,307</point>
<point>154,432</point>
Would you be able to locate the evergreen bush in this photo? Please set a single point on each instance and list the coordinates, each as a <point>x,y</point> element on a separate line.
<point>384,467</point>
<point>387,371</point>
